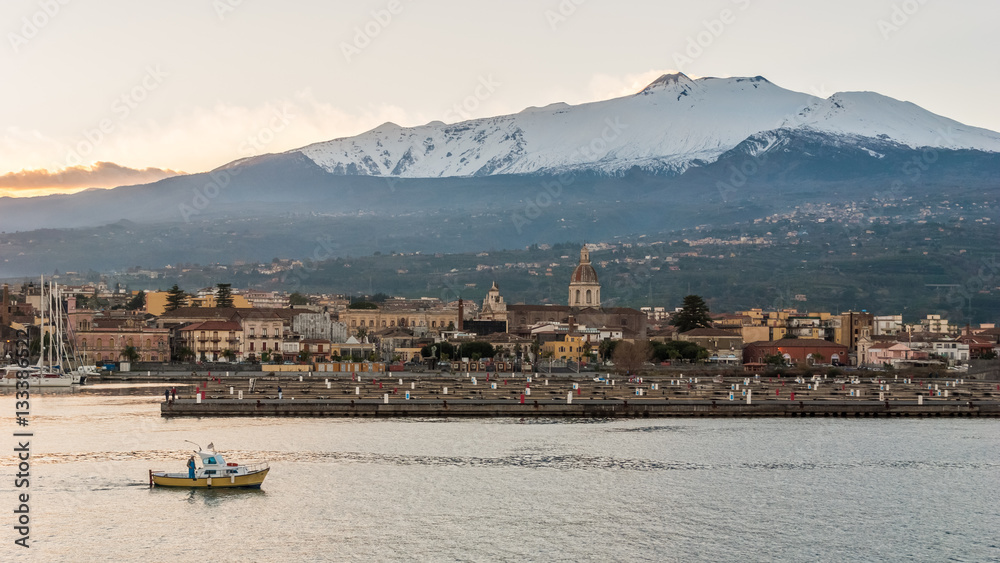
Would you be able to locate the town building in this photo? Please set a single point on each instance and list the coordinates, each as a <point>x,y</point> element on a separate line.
<point>796,351</point>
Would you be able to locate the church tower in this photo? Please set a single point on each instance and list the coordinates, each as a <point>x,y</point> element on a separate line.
<point>494,307</point>
<point>584,289</point>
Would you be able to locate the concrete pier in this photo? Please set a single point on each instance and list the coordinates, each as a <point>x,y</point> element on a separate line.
<point>581,395</point>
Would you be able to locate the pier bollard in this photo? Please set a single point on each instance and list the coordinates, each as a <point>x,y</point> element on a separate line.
<point>576,386</point>
<point>231,389</point>
<point>240,397</point>
<point>407,395</point>
<point>920,399</point>
<point>578,391</point>
<point>385,399</point>
<point>474,381</point>
<point>300,379</point>
<point>527,391</point>
<point>413,385</point>
<point>227,374</point>
<point>148,373</point>
<point>569,398</point>
<point>328,384</point>
<point>522,398</point>
<point>357,390</point>
<point>749,396</point>
<point>730,396</point>
<point>546,382</point>
<point>493,385</point>
<point>400,380</point>
<point>445,390</point>
<point>881,396</point>
<point>945,393</point>
<point>197,398</point>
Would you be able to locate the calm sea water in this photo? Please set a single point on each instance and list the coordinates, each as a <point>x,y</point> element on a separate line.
<point>504,490</point>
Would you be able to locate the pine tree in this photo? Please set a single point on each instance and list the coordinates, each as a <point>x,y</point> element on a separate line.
<point>224,295</point>
<point>693,314</point>
<point>175,298</point>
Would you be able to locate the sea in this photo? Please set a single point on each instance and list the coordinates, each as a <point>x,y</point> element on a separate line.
<point>346,489</point>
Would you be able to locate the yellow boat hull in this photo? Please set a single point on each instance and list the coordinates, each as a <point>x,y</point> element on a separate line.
<point>249,480</point>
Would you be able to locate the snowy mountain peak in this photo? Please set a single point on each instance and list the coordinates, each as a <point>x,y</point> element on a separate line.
<point>673,124</point>
<point>667,81</point>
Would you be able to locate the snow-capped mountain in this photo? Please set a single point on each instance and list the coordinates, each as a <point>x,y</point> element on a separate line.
<point>671,125</point>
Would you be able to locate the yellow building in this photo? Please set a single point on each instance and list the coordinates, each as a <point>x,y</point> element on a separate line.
<point>156,302</point>
<point>569,349</point>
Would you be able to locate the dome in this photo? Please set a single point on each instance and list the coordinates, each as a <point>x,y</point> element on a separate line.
<point>584,273</point>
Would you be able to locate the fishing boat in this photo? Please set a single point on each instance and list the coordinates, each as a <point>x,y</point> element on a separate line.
<point>214,472</point>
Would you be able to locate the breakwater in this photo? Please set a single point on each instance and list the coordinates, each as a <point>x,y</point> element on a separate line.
<point>581,395</point>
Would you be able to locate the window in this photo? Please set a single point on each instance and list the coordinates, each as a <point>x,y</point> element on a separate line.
<point>588,297</point>
<point>577,297</point>
<point>263,334</point>
<point>252,332</point>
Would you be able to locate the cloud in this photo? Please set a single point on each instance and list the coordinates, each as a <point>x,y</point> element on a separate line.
<point>28,183</point>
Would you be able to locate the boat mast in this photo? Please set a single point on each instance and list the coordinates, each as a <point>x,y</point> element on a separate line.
<point>41,333</point>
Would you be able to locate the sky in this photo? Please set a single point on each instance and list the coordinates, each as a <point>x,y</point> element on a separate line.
<point>116,92</point>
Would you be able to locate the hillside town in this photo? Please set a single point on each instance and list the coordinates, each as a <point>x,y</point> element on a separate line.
<point>109,327</point>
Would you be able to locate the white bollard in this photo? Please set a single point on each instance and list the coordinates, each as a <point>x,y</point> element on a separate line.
<point>197,398</point>
<point>527,391</point>
<point>546,382</point>
<point>749,396</point>
<point>400,380</point>
<point>569,398</point>
<point>328,384</point>
<point>920,399</point>
<point>385,398</point>
<point>300,379</point>
<point>945,393</point>
<point>881,396</point>
<point>231,389</point>
<point>445,390</point>
<point>413,385</point>
<point>241,395</point>
<point>357,390</point>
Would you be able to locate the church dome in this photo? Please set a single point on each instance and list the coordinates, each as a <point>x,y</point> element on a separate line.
<point>584,272</point>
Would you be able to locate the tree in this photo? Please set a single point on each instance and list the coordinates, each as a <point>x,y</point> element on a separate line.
<point>175,298</point>
<point>185,354</point>
<point>137,302</point>
<point>472,349</point>
<point>629,356</point>
<point>678,349</point>
<point>606,349</point>
<point>130,354</point>
<point>444,349</point>
<point>775,360</point>
<point>265,357</point>
<point>224,295</point>
<point>229,355</point>
<point>693,314</point>
<point>304,356</point>
<point>363,305</point>
<point>297,299</point>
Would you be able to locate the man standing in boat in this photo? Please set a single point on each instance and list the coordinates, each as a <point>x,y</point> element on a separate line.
<point>191,467</point>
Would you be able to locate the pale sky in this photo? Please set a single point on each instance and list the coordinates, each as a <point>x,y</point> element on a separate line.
<point>188,85</point>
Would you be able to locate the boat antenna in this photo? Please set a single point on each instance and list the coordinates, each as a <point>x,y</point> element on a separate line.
<point>190,442</point>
